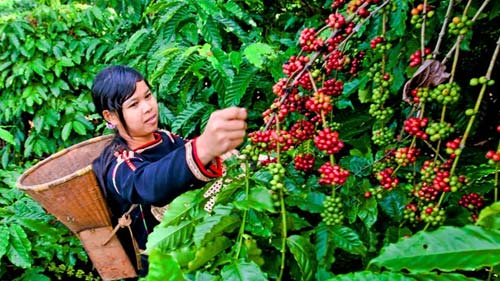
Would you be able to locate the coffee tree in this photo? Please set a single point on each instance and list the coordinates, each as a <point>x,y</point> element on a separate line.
<point>372,161</point>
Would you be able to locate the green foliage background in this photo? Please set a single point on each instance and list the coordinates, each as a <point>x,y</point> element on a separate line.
<point>200,56</point>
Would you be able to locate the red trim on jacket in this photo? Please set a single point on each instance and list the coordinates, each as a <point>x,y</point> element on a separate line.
<point>214,170</point>
<point>157,138</point>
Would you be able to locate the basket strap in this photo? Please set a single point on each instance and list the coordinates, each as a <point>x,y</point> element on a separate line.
<point>125,221</point>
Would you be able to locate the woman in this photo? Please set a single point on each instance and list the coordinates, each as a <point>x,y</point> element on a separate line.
<point>144,166</point>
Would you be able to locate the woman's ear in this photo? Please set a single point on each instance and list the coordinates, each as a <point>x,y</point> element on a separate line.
<point>110,117</point>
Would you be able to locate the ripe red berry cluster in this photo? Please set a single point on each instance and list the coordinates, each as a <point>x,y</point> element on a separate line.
<point>302,130</point>
<point>332,174</point>
<point>376,41</point>
<point>336,61</point>
<point>319,102</point>
<point>425,191</point>
<point>332,213</point>
<point>328,141</point>
<point>356,63</point>
<point>284,140</point>
<point>333,42</point>
<point>332,87</point>
<point>335,21</point>
<point>471,201</point>
<point>386,179</point>
<point>305,81</point>
<point>453,148</point>
<point>304,162</point>
<point>261,139</point>
<point>280,87</point>
<point>493,156</point>
<point>414,126</point>
<point>294,64</point>
<point>405,156</point>
<point>308,40</point>
<point>338,4</point>
<point>416,58</point>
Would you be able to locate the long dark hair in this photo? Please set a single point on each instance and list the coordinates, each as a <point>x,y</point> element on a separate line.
<point>112,87</point>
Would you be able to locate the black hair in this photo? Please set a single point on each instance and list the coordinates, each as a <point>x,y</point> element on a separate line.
<point>113,86</point>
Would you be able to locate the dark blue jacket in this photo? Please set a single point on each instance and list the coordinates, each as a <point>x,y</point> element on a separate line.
<point>152,175</point>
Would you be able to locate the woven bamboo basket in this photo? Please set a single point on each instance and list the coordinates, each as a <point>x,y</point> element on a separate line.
<point>65,185</point>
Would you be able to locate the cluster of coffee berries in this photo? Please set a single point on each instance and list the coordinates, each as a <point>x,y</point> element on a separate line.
<point>335,21</point>
<point>338,4</point>
<point>319,102</point>
<point>439,130</point>
<point>386,179</point>
<point>302,130</point>
<point>421,95</point>
<point>332,213</point>
<point>383,137</point>
<point>410,213</point>
<point>332,174</point>
<point>278,174</point>
<point>328,141</point>
<point>304,162</point>
<point>414,126</point>
<point>425,191</point>
<point>380,112</point>
<point>309,42</point>
<point>453,148</point>
<point>380,45</point>
<point>493,157</point>
<point>418,14</point>
<point>481,80</point>
<point>332,87</point>
<point>433,215</point>
<point>405,156</point>
<point>459,25</point>
<point>446,93</point>
<point>294,64</point>
<point>472,202</point>
<point>261,140</point>
<point>337,60</point>
<point>356,63</point>
<point>416,58</point>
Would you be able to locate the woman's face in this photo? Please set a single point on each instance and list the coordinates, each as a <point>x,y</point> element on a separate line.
<point>140,112</point>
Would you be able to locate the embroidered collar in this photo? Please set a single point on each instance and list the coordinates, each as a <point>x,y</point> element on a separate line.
<point>157,140</point>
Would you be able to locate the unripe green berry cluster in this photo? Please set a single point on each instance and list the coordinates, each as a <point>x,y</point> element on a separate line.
<point>278,174</point>
<point>439,130</point>
<point>459,25</point>
<point>481,80</point>
<point>332,213</point>
<point>433,215</point>
<point>446,93</point>
<point>383,137</point>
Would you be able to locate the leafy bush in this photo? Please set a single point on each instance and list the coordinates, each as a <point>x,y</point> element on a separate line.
<point>49,57</point>
<point>367,147</point>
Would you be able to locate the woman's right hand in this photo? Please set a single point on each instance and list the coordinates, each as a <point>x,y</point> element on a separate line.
<point>225,131</point>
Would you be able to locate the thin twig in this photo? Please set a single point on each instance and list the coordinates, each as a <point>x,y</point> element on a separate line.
<point>435,53</point>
